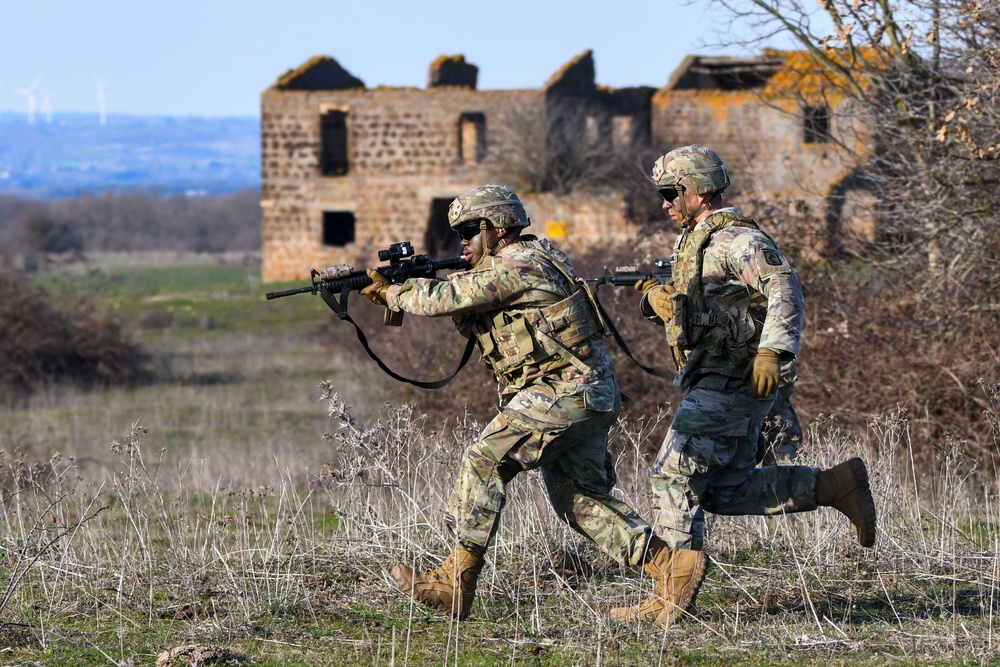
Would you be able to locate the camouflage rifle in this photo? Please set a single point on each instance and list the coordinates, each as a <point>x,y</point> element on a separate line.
<point>340,280</point>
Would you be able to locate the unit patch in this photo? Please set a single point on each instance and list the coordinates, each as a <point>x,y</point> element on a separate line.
<point>773,257</point>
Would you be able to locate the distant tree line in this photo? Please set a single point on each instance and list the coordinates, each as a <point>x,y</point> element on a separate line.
<point>130,221</point>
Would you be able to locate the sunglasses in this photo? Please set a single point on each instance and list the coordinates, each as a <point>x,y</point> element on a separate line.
<point>468,231</point>
<point>669,194</point>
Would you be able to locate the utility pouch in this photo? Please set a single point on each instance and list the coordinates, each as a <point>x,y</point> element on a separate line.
<point>678,334</point>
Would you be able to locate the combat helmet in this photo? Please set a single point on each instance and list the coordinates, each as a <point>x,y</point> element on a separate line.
<point>695,168</point>
<point>495,203</point>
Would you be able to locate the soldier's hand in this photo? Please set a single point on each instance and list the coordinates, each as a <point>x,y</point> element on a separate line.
<point>765,373</point>
<point>374,291</point>
<point>662,302</point>
<point>646,285</point>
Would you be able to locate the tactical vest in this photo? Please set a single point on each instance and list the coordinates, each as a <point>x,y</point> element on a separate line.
<point>552,336</point>
<point>719,336</point>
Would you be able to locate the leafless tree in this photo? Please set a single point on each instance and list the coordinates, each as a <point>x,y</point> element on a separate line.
<point>919,80</point>
<point>562,148</point>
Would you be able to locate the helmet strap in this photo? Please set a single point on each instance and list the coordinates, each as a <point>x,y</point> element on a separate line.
<point>687,217</point>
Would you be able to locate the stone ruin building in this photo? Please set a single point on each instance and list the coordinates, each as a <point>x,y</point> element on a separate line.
<point>347,170</point>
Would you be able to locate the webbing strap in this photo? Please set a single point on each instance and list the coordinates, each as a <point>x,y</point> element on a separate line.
<point>660,373</point>
<point>340,308</point>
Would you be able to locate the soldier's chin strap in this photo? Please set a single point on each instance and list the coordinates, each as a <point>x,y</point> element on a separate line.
<point>340,308</point>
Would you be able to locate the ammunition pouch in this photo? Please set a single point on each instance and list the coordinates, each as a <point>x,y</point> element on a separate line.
<point>560,330</point>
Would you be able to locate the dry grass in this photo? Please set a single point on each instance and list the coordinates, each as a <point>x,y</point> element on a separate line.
<point>222,516</point>
<point>281,572</point>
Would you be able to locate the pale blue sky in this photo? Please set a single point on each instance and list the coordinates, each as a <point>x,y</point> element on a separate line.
<point>214,57</point>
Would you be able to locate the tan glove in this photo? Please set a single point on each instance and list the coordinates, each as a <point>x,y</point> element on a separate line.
<point>646,285</point>
<point>765,373</point>
<point>662,302</point>
<point>374,291</point>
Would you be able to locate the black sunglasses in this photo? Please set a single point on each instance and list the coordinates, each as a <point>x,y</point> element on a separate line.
<point>669,194</point>
<point>468,231</point>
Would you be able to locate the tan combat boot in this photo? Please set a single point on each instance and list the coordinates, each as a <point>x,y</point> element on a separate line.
<point>845,487</point>
<point>450,588</point>
<point>677,575</point>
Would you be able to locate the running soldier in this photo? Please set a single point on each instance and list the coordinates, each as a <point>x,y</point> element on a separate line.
<point>538,331</point>
<point>733,317</point>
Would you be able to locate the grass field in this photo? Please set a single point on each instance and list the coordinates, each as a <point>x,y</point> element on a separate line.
<point>237,505</point>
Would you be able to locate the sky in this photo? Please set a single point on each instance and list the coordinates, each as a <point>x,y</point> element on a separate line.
<point>213,58</point>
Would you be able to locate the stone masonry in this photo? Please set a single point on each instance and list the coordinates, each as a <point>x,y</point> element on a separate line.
<point>348,169</point>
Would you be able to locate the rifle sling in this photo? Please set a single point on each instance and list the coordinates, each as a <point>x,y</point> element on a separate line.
<point>621,343</point>
<point>340,308</point>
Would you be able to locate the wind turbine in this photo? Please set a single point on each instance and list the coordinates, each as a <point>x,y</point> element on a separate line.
<point>101,102</point>
<point>47,106</point>
<point>29,92</point>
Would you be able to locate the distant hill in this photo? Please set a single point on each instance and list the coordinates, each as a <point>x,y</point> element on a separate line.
<point>75,154</point>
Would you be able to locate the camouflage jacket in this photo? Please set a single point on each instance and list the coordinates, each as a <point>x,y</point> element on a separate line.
<point>742,295</point>
<point>529,318</point>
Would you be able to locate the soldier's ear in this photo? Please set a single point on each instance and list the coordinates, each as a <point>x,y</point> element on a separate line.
<point>502,232</point>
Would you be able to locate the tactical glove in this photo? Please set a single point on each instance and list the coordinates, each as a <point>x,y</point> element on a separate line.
<point>646,285</point>
<point>374,291</point>
<point>662,302</point>
<point>765,373</point>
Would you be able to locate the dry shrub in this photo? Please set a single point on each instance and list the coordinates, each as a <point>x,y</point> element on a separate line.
<point>42,344</point>
<point>874,340</point>
<point>873,343</point>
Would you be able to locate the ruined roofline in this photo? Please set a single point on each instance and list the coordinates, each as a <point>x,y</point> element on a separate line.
<point>318,73</point>
<point>723,72</point>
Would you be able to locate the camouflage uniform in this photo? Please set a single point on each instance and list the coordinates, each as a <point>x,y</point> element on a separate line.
<point>739,295</point>
<point>781,434</point>
<point>538,333</point>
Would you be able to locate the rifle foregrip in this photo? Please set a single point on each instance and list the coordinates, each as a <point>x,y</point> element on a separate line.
<point>629,278</point>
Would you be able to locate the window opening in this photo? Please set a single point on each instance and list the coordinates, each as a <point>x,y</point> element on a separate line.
<point>333,131</point>
<point>816,125</point>
<point>472,137</point>
<point>338,228</point>
<point>439,239</point>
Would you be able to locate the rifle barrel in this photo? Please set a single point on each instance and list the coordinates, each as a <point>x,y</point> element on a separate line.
<point>289,292</point>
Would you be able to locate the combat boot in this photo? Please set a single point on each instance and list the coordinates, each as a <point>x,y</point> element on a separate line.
<point>677,575</point>
<point>845,487</point>
<point>450,588</point>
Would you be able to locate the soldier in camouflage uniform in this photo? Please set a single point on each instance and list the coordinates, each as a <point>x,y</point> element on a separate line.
<point>537,329</point>
<point>733,316</point>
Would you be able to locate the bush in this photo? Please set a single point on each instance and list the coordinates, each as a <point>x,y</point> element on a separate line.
<point>41,344</point>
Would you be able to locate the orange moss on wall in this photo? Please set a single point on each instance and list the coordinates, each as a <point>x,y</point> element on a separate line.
<point>718,102</point>
<point>806,78</point>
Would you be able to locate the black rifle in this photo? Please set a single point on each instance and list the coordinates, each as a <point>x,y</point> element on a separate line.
<point>628,276</point>
<point>340,280</point>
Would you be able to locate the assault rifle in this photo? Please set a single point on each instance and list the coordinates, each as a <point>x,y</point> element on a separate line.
<point>627,276</point>
<point>340,280</point>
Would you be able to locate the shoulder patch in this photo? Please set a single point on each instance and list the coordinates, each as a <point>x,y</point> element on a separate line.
<point>773,257</point>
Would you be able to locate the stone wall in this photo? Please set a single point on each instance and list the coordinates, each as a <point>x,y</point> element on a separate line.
<point>405,153</point>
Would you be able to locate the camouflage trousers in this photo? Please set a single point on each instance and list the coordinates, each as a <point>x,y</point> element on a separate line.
<point>780,434</point>
<point>708,462</point>
<point>562,430</point>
